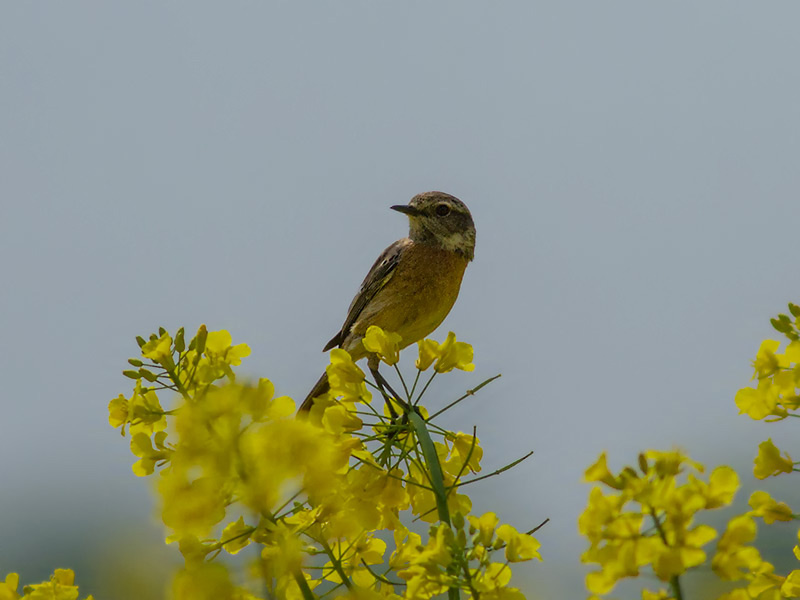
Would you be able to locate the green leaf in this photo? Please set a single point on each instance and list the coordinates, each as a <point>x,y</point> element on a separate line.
<point>434,468</point>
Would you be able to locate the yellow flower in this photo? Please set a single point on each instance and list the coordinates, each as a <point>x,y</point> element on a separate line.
<point>659,595</point>
<point>449,355</point>
<point>143,412</point>
<point>770,462</point>
<point>353,555</point>
<point>722,485</point>
<point>370,550</point>
<point>454,355</point>
<point>458,503</point>
<point>205,581</point>
<point>337,419</point>
<point>519,546</point>
<point>158,350</point>
<point>422,584</point>
<point>428,352</point>
<point>142,447</point>
<point>764,583</point>
<point>792,353</point>
<point>236,536</point>
<point>766,362</point>
<point>670,462</point>
<point>406,544</point>
<point>734,558</point>
<point>683,555</point>
<point>437,550</point>
<point>496,576</point>
<point>465,448</point>
<point>118,411</point>
<point>385,344</point>
<point>279,456</point>
<point>757,403</point>
<point>218,345</point>
<point>602,582</point>
<point>484,527</point>
<point>260,403</point>
<point>8,589</point>
<point>737,594</point>
<point>191,507</point>
<point>784,382</point>
<point>599,472</point>
<point>600,511</point>
<point>60,587</point>
<point>346,378</point>
<point>342,368</point>
<point>791,587</point>
<point>768,508</point>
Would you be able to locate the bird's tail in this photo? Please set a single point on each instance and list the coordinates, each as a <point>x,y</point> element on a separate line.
<point>319,388</point>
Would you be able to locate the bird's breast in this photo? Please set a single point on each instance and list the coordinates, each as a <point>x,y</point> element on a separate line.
<point>418,296</point>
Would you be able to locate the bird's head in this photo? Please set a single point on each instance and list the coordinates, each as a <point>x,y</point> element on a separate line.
<point>441,220</point>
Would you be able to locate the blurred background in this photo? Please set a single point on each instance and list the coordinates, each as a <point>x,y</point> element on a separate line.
<point>632,169</point>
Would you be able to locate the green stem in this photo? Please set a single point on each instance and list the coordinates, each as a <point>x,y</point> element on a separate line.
<point>337,564</point>
<point>675,581</point>
<point>169,367</point>
<point>303,585</point>
<point>675,584</point>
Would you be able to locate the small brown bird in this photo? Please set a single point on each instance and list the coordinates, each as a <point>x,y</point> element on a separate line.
<point>414,283</point>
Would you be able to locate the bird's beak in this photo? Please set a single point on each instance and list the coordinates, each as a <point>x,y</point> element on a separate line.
<point>406,209</point>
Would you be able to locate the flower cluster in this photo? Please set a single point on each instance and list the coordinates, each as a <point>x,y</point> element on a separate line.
<point>647,520</point>
<point>778,374</point>
<point>60,587</point>
<point>777,393</point>
<point>462,556</point>
<point>737,560</point>
<point>774,398</point>
<point>237,470</point>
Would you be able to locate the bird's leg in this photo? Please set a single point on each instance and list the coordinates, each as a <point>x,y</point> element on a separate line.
<point>384,386</point>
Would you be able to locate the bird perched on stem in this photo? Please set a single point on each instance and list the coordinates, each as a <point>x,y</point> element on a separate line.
<point>413,284</point>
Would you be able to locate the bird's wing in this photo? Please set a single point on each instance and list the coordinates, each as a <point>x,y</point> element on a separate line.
<point>380,273</point>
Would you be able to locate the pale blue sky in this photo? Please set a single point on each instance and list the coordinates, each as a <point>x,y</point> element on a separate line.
<point>632,168</point>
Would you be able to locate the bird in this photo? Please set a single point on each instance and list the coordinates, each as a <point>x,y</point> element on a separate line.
<point>413,284</point>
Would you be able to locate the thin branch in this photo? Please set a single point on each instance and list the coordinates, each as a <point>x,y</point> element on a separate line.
<point>403,381</point>
<point>380,577</point>
<point>538,527</point>
<point>414,387</point>
<point>498,471</point>
<point>466,395</point>
<point>424,389</point>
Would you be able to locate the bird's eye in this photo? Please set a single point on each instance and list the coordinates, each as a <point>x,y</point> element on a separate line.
<point>442,210</point>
